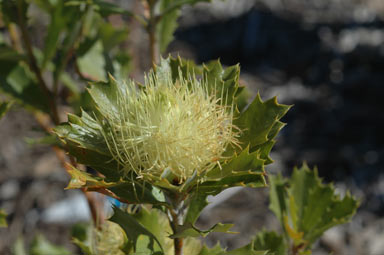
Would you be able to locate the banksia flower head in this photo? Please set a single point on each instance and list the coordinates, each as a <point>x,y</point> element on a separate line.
<point>178,127</point>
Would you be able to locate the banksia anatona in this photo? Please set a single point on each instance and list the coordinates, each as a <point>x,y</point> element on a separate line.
<point>178,126</point>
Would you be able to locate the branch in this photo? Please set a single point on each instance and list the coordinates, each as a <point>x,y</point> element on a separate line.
<point>33,64</point>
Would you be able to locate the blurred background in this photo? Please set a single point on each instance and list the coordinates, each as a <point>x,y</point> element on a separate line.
<point>323,56</point>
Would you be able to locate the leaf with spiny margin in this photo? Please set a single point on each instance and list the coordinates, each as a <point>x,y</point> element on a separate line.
<point>306,207</point>
<point>189,230</point>
<point>215,250</point>
<point>3,219</point>
<point>157,222</point>
<point>105,95</point>
<point>4,108</point>
<point>271,241</point>
<point>260,124</point>
<point>197,202</point>
<point>180,66</point>
<point>222,81</point>
<point>243,162</point>
<point>169,12</point>
<point>135,230</point>
<point>84,140</point>
<point>245,169</point>
<point>127,191</point>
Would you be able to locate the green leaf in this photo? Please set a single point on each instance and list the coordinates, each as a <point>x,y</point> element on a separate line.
<point>18,247</point>
<point>19,83</point>
<point>167,25</point>
<point>127,191</point>
<point>4,108</point>
<point>111,36</point>
<point>222,81</point>
<point>41,246</point>
<point>3,219</point>
<point>158,223</point>
<point>277,196</point>
<point>106,8</point>
<point>188,230</point>
<point>197,202</point>
<point>306,207</point>
<point>245,162</point>
<point>169,13</point>
<point>271,241</point>
<point>259,124</point>
<point>135,231</point>
<point>55,28</point>
<point>216,250</point>
<point>92,64</point>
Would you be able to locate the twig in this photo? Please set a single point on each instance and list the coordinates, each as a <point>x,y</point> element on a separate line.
<point>33,63</point>
<point>151,30</point>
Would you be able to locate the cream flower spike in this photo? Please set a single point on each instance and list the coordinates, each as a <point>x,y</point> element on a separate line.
<point>169,126</point>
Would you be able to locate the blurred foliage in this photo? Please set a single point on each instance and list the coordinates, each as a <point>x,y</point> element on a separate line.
<point>81,45</point>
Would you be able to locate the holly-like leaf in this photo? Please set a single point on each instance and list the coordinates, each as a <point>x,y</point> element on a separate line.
<point>169,12</point>
<point>127,191</point>
<point>260,124</point>
<point>306,207</point>
<point>271,241</point>
<point>135,230</point>
<point>223,81</point>
<point>156,221</point>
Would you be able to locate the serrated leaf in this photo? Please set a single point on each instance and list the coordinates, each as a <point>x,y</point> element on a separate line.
<point>245,161</point>
<point>222,81</point>
<point>189,230</point>
<point>215,250</point>
<point>306,207</point>
<point>169,12</point>
<point>197,202</point>
<point>135,230</point>
<point>127,191</point>
<point>158,223</point>
<point>41,246</point>
<point>271,241</point>
<point>260,123</point>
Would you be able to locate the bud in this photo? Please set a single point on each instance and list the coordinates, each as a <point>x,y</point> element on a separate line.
<point>180,127</point>
<point>108,240</point>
